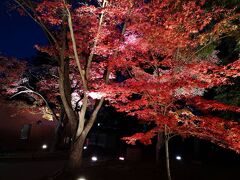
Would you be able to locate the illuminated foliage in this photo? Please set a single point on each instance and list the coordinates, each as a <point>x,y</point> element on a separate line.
<point>11,75</point>
<point>142,56</point>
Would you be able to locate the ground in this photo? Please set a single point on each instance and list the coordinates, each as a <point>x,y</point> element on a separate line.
<point>50,167</point>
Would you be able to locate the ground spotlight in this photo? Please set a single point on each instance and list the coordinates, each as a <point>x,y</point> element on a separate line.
<point>44,146</point>
<point>121,158</point>
<point>94,158</point>
<point>179,158</point>
<point>81,178</point>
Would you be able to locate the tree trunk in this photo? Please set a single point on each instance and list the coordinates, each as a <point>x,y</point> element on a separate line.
<point>65,93</point>
<point>64,82</point>
<point>159,146</point>
<point>75,158</point>
<point>76,153</point>
<point>167,153</point>
<point>167,160</point>
<point>59,130</point>
<point>56,138</point>
<point>58,134</point>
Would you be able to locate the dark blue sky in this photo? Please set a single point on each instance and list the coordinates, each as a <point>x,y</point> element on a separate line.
<point>18,34</point>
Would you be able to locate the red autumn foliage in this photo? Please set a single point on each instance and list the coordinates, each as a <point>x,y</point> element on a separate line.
<point>212,105</point>
<point>152,44</point>
<point>11,75</point>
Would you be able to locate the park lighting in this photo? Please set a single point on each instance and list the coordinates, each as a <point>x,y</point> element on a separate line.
<point>94,158</point>
<point>81,178</point>
<point>98,124</point>
<point>121,158</point>
<point>44,146</point>
<point>85,147</point>
<point>179,158</point>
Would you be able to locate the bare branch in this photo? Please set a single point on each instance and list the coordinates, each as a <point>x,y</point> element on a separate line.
<point>38,94</point>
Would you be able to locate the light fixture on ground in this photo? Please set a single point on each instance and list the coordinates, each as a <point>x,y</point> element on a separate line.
<point>94,158</point>
<point>44,146</point>
<point>81,178</point>
<point>121,158</point>
<point>179,158</point>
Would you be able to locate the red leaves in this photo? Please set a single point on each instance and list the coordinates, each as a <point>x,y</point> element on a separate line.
<point>132,139</point>
<point>212,105</point>
<point>11,72</point>
<point>50,12</point>
<point>144,138</point>
<point>156,56</point>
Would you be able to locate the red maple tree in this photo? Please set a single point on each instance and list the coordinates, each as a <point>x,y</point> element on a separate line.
<point>150,45</point>
<point>159,56</point>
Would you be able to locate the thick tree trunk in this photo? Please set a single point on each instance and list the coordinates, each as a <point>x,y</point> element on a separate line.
<point>75,157</point>
<point>64,82</point>
<point>65,92</point>
<point>59,130</point>
<point>58,134</point>
<point>56,138</point>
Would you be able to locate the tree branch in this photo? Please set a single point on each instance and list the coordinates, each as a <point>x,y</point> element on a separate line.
<point>38,94</point>
<point>90,58</point>
<point>39,22</point>
<point>75,51</point>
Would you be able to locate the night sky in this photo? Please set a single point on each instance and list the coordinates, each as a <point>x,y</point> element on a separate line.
<point>18,34</point>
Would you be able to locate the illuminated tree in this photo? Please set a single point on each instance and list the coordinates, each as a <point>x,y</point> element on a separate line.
<point>150,45</point>
<point>74,51</point>
<point>165,80</point>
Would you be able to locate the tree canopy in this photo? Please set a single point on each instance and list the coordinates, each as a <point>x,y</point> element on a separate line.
<point>143,58</point>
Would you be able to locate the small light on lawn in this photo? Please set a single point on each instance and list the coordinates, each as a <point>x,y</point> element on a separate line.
<point>94,158</point>
<point>85,147</point>
<point>44,146</point>
<point>121,158</point>
<point>178,158</point>
<point>81,178</point>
